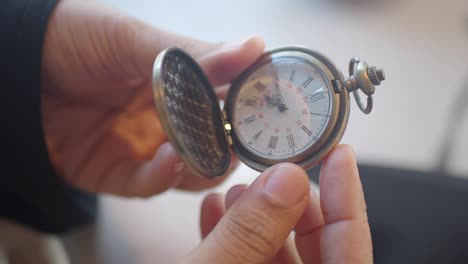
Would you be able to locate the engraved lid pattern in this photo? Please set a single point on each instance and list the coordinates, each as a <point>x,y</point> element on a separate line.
<point>193,114</point>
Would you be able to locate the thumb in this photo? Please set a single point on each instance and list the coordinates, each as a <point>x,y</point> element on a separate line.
<point>222,61</point>
<point>258,224</point>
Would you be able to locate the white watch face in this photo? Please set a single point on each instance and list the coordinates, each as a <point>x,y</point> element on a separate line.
<point>282,108</point>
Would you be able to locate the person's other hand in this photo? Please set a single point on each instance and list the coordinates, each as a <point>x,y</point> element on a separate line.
<point>100,123</point>
<point>252,225</point>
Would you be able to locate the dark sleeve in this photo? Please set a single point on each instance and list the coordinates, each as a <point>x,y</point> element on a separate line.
<point>31,192</point>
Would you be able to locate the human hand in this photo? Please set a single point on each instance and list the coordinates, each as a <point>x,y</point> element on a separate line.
<point>100,123</point>
<point>252,225</point>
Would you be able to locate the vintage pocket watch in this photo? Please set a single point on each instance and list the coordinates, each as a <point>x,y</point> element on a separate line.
<point>291,105</point>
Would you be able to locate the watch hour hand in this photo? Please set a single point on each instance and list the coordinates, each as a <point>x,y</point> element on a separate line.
<point>269,100</point>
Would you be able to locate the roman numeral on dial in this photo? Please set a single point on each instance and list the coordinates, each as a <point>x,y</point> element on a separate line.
<point>256,136</point>
<point>260,86</point>
<point>251,102</point>
<point>249,120</point>
<point>293,72</point>
<point>273,142</point>
<point>306,130</point>
<point>291,142</point>
<point>307,82</point>
<point>316,96</point>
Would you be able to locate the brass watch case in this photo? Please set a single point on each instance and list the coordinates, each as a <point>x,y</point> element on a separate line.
<point>334,129</point>
<point>203,134</point>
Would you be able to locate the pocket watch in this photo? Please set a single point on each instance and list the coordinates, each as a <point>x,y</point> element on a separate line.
<point>291,105</point>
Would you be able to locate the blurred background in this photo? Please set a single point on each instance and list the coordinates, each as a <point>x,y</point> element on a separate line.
<point>422,46</point>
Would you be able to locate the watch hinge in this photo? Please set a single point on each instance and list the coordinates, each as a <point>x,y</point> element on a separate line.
<point>337,87</point>
<point>227,128</point>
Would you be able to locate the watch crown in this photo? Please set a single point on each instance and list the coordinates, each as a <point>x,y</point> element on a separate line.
<point>376,75</point>
<point>364,78</point>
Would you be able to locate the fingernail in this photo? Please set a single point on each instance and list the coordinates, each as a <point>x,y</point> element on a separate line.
<point>286,184</point>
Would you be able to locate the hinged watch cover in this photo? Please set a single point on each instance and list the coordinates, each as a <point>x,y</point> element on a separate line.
<point>189,113</point>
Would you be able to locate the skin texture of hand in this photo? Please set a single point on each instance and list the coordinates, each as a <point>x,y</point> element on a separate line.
<point>253,224</point>
<point>100,123</point>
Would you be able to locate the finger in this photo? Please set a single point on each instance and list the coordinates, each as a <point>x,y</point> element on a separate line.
<point>346,234</point>
<point>221,61</point>
<point>213,208</point>
<point>193,182</point>
<point>211,212</point>
<point>135,45</point>
<point>258,224</point>
<point>287,253</point>
<point>308,231</point>
<point>149,41</point>
<point>164,171</point>
<point>222,65</point>
<point>222,91</point>
<point>123,176</point>
<point>233,194</point>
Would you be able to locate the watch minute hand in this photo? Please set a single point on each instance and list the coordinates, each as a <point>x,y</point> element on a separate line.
<point>277,89</point>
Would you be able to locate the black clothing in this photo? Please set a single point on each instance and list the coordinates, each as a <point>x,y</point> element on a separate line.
<point>30,190</point>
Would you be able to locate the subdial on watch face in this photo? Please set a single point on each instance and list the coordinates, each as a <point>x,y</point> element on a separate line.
<point>282,108</point>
